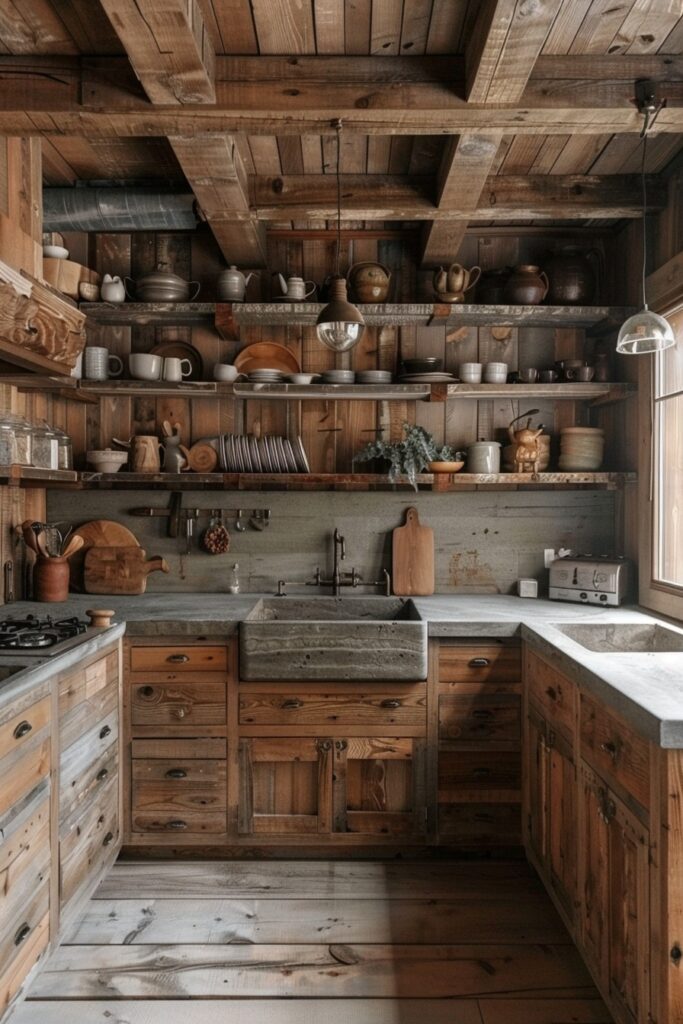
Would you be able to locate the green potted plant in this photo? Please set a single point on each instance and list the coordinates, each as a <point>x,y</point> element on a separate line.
<point>416,452</point>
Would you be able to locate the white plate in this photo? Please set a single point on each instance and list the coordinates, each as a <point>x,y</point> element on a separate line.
<point>427,378</point>
<point>289,455</point>
<point>300,455</point>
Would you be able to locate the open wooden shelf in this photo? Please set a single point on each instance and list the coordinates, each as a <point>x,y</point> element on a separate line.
<point>283,314</point>
<point>346,481</point>
<point>27,476</point>
<point>608,392</point>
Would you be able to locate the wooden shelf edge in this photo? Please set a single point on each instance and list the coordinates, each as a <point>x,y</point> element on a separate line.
<point>28,476</point>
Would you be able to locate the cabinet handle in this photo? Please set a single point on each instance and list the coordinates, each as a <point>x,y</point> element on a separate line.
<point>610,748</point>
<point>22,933</point>
<point>179,712</point>
<point>606,810</point>
<point>102,774</point>
<point>551,692</point>
<point>390,702</point>
<point>178,659</point>
<point>482,713</point>
<point>146,691</point>
<point>291,704</point>
<point>479,663</point>
<point>107,839</point>
<point>481,773</point>
<point>105,731</point>
<point>176,773</point>
<point>676,954</point>
<point>176,824</point>
<point>22,729</point>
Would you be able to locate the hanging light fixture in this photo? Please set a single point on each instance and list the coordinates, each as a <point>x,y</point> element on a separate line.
<point>340,324</point>
<point>645,331</point>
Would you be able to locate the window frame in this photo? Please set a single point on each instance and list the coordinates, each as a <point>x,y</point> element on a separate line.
<point>665,288</point>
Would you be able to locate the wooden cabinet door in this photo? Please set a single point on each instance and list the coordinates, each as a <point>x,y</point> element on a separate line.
<point>593,872</point>
<point>285,786</point>
<point>562,817</point>
<point>629,930</point>
<point>536,785</point>
<point>379,786</point>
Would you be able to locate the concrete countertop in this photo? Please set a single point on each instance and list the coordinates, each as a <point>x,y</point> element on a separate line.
<point>646,689</point>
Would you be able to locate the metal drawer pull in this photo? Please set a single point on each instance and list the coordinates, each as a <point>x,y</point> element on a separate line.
<point>551,692</point>
<point>610,749</point>
<point>176,773</point>
<point>22,933</point>
<point>177,824</point>
<point>479,663</point>
<point>102,774</point>
<point>292,704</point>
<point>179,712</point>
<point>22,729</point>
<point>107,839</point>
<point>390,702</point>
<point>146,691</point>
<point>482,713</point>
<point>178,659</point>
<point>105,731</point>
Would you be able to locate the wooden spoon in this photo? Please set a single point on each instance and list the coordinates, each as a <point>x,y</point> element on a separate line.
<point>42,544</point>
<point>166,426</point>
<point>74,545</point>
<point>29,536</point>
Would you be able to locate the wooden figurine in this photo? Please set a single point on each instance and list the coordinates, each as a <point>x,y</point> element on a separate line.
<point>525,439</point>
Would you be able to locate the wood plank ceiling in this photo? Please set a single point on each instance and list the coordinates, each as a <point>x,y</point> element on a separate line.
<point>506,52</point>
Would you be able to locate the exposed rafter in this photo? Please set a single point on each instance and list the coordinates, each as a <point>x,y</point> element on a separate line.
<point>168,46</point>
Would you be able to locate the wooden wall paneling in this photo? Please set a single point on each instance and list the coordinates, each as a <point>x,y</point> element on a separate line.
<point>431,341</point>
<point>358,420</point>
<point>462,346</point>
<point>415,27</point>
<point>357,26</point>
<point>446,26</point>
<point>385,28</point>
<point>285,28</point>
<point>235,23</point>
<point>21,221</point>
<point>329,26</point>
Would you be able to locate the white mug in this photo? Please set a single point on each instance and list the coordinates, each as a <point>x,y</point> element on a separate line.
<point>176,369</point>
<point>144,366</point>
<point>100,364</point>
<point>470,373</point>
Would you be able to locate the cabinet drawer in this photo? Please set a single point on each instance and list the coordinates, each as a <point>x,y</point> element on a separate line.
<point>468,774</point>
<point>26,955</point>
<point>615,751</point>
<point>80,790</point>
<point>87,696</point>
<point>333,709</point>
<point>190,702</point>
<point>184,795</point>
<point>23,769</point>
<point>479,720</point>
<point>480,824</point>
<point>89,843</point>
<point>480,663</point>
<point>553,693</point>
<point>179,659</point>
<point>22,727</point>
<point>202,748</point>
<point>24,859</point>
<point>17,930</point>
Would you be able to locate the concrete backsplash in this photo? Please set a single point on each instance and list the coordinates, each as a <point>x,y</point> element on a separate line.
<point>484,540</point>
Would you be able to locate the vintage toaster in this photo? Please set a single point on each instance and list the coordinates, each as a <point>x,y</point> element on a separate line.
<point>589,579</point>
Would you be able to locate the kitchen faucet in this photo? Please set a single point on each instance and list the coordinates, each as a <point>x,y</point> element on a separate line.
<point>340,578</point>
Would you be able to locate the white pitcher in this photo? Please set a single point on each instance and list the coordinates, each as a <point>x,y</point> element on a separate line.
<point>113,289</point>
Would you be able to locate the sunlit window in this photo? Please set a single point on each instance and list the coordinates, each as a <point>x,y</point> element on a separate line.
<point>667,559</point>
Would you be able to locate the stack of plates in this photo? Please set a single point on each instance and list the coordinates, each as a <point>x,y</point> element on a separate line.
<point>245,453</point>
<point>338,377</point>
<point>427,378</point>
<point>581,449</point>
<point>373,377</point>
<point>266,376</point>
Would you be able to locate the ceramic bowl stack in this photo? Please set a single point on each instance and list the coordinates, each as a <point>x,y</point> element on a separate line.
<point>373,377</point>
<point>266,376</point>
<point>581,449</point>
<point>245,453</point>
<point>338,377</point>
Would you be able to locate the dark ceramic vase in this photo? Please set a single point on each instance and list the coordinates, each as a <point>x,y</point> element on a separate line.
<point>572,278</point>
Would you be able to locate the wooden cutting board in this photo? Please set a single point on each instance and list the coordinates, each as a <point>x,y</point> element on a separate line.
<point>413,557</point>
<point>119,570</point>
<point>98,533</point>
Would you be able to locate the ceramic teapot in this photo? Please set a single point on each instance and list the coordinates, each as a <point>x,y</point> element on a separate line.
<point>451,284</point>
<point>232,284</point>
<point>112,289</point>
<point>294,288</point>
<point>369,281</point>
<point>527,450</point>
<point>161,285</point>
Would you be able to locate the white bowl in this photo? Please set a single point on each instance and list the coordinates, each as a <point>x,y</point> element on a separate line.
<point>495,378</point>
<point>225,372</point>
<point>106,460</point>
<point>55,252</point>
<point>301,378</point>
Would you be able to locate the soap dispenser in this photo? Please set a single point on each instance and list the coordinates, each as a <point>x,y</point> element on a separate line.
<point>234,580</point>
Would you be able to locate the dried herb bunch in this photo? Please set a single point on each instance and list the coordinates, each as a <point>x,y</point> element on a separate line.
<point>407,457</point>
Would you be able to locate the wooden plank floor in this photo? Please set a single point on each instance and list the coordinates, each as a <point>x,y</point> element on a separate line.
<point>316,943</point>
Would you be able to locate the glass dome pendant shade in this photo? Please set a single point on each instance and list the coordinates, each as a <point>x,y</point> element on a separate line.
<point>645,332</point>
<point>340,324</point>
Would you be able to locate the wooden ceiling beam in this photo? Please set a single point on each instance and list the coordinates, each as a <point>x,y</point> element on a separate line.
<point>168,46</point>
<point>216,175</point>
<point>502,50</point>
<point>503,197</point>
<point>101,97</point>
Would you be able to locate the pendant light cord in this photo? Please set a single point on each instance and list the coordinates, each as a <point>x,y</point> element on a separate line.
<point>338,129</point>
<point>644,189</point>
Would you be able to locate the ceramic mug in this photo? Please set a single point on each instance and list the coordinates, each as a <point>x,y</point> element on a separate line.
<point>470,373</point>
<point>585,373</point>
<point>548,376</point>
<point>529,375</point>
<point>100,364</point>
<point>144,366</point>
<point>175,369</point>
<point>225,372</point>
<point>496,373</point>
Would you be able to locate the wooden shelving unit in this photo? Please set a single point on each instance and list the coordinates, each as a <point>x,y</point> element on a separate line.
<point>27,476</point>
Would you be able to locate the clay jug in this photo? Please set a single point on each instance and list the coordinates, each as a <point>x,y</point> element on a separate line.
<point>527,285</point>
<point>145,455</point>
<point>369,281</point>
<point>572,279</point>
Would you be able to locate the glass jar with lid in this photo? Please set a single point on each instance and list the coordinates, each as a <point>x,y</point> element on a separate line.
<point>16,437</point>
<point>65,452</point>
<point>45,448</point>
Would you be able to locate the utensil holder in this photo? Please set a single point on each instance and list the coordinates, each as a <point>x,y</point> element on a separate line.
<point>51,579</point>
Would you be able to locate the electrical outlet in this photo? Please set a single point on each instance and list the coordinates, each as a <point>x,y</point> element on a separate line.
<point>549,556</point>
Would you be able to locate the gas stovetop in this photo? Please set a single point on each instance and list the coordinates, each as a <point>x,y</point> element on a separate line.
<point>45,636</point>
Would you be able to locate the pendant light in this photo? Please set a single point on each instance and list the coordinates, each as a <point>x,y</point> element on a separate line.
<point>645,331</point>
<point>340,324</point>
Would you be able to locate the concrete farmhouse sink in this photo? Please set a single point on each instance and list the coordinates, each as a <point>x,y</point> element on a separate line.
<point>328,638</point>
<point>624,638</point>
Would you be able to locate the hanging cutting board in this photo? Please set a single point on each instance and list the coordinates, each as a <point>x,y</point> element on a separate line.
<point>413,557</point>
<point>119,570</point>
<point>98,533</point>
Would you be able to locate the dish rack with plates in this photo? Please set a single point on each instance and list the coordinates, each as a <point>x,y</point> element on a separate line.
<point>246,453</point>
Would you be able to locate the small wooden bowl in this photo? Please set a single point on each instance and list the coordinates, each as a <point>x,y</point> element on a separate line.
<point>445,467</point>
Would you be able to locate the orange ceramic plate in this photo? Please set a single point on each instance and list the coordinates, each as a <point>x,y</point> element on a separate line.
<point>267,355</point>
